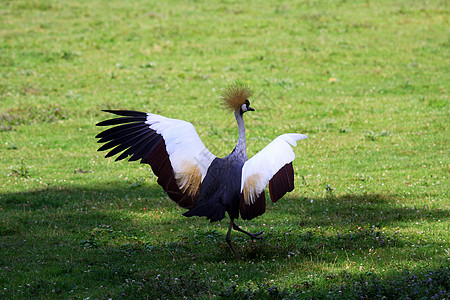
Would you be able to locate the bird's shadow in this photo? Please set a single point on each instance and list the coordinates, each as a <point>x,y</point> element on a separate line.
<point>298,226</point>
<point>295,232</point>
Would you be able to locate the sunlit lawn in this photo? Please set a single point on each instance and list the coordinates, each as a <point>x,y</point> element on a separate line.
<point>367,81</point>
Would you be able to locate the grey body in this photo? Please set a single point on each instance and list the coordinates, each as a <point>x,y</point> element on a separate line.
<point>221,188</point>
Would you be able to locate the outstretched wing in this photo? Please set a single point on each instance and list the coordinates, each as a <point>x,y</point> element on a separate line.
<point>271,166</point>
<point>171,147</point>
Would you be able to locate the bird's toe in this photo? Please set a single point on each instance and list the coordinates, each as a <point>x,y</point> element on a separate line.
<point>256,236</point>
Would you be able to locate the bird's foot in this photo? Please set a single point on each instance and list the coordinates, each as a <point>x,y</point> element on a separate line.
<point>253,236</point>
<point>256,236</point>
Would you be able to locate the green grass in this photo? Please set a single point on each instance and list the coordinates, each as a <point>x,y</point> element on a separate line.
<point>367,81</point>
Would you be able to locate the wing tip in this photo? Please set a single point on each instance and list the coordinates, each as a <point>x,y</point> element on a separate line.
<point>296,136</point>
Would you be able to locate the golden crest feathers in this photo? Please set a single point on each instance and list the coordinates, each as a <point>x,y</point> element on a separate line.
<point>234,95</point>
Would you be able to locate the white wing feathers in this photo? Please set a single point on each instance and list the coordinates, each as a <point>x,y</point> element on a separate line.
<point>259,169</point>
<point>189,157</point>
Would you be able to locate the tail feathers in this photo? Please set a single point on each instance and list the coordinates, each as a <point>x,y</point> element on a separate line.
<point>212,211</point>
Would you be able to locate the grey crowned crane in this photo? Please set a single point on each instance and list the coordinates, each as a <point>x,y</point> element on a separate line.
<point>192,176</point>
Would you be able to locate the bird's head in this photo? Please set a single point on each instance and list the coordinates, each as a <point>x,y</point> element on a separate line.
<point>235,97</point>
<point>246,107</point>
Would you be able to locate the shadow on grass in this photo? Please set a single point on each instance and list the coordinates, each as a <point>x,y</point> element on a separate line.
<point>410,284</point>
<point>358,210</point>
<point>102,236</point>
<point>347,208</point>
<point>127,206</point>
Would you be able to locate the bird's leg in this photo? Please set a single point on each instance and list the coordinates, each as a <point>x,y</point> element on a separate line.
<point>255,236</point>
<point>229,239</point>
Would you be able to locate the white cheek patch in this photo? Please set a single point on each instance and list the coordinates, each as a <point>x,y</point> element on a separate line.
<point>244,107</point>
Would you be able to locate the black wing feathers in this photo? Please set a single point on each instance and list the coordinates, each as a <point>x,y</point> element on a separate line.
<point>132,150</point>
<point>120,132</point>
<point>282,182</point>
<point>127,113</point>
<point>136,139</point>
<point>158,159</point>
<point>139,150</point>
<point>254,210</point>
<point>121,120</point>
<point>114,131</point>
<point>128,139</point>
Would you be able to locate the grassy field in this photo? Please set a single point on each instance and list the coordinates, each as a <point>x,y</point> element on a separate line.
<point>367,81</point>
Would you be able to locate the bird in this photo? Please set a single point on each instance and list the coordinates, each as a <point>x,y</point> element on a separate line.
<point>193,177</point>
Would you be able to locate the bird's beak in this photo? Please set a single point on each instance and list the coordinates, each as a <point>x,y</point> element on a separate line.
<point>250,109</point>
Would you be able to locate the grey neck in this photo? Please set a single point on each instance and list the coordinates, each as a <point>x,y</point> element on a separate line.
<point>240,150</point>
